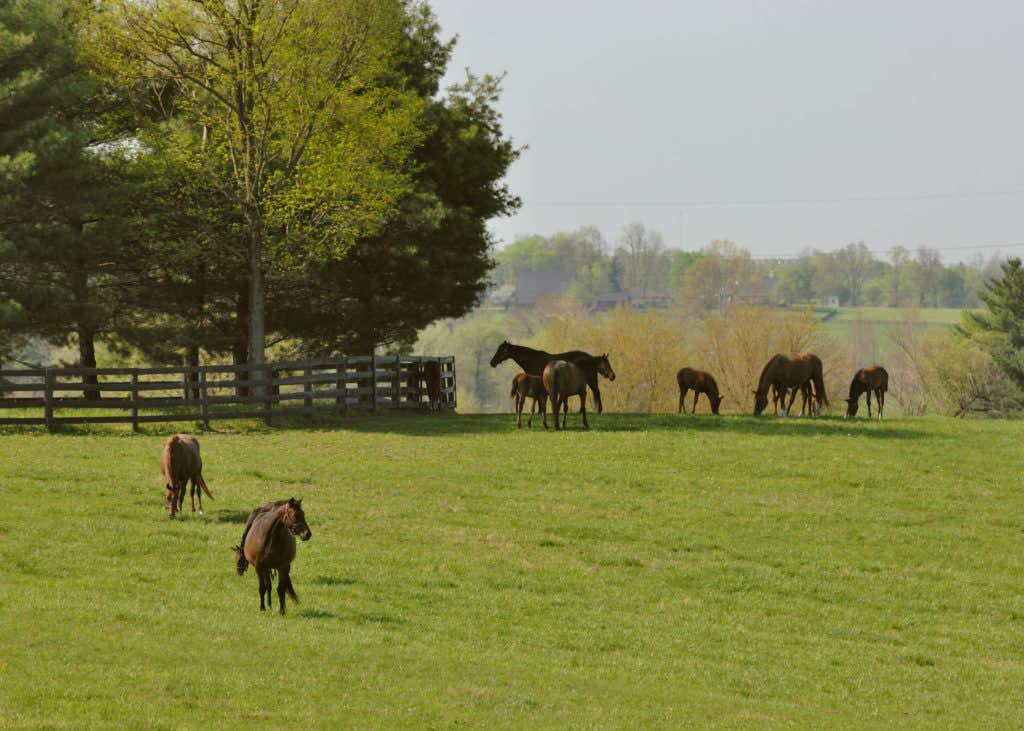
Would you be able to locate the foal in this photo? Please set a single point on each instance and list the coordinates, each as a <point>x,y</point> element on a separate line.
<point>867,380</point>
<point>181,462</point>
<point>268,543</point>
<point>700,382</point>
<point>563,379</point>
<point>523,387</point>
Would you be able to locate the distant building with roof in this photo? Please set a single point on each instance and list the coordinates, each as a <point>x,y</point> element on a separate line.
<point>532,287</point>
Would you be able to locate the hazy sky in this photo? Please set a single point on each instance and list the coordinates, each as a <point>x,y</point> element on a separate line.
<point>781,125</point>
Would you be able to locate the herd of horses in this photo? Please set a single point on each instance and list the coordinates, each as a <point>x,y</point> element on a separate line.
<point>555,377</point>
<point>268,539</point>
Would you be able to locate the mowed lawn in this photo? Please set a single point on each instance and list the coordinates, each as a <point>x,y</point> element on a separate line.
<point>658,571</point>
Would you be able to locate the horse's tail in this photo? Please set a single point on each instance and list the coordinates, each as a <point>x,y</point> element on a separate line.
<point>819,382</point>
<point>202,484</point>
<point>287,582</point>
<point>515,391</point>
<point>241,563</point>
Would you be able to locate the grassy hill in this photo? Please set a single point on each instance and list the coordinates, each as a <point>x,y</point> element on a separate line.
<point>657,571</point>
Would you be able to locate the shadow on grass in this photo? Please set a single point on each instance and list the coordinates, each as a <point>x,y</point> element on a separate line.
<point>231,516</point>
<point>446,424</point>
<point>334,581</point>
<point>419,424</point>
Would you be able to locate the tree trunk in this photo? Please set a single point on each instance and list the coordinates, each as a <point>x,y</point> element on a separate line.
<point>257,335</point>
<point>87,359</point>
<point>240,347</point>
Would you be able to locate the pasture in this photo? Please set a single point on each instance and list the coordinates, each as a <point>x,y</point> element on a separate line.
<point>657,571</point>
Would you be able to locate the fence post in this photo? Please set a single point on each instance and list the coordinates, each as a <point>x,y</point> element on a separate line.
<point>454,389</point>
<point>341,400</point>
<point>135,402</point>
<point>307,402</point>
<point>184,384</point>
<point>204,403</point>
<point>396,384</point>
<point>268,375</point>
<point>373,381</point>
<point>48,399</point>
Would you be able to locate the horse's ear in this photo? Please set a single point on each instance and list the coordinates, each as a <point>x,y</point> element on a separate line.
<point>291,501</point>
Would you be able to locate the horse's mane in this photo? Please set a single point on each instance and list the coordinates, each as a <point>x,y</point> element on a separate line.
<point>761,385</point>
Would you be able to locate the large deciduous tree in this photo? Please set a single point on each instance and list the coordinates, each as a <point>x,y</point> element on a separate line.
<point>285,93</point>
<point>432,257</point>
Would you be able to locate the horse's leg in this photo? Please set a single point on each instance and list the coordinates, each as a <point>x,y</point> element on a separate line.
<point>282,583</point>
<point>696,395</point>
<point>583,408</point>
<point>792,397</point>
<point>520,399</point>
<point>565,411</point>
<point>867,397</point>
<point>880,395</point>
<point>263,587</point>
<point>192,496</point>
<point>682,395</point>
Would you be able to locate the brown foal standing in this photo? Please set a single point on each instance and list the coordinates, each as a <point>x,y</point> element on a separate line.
<point>181,463</point>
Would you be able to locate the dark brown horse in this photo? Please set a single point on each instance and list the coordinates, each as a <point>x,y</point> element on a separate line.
<point>700,382</point>
<point>181,463</point>
<point>432,375</point>
<point>785,373</point>
<point>533,363</point>
<point>563,379</point>
<point>532,387</point>
<point>268,543</point>
<point>867,380</point>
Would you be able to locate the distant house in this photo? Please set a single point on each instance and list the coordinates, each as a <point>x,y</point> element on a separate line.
<point>532,287</point>
<point>652,298</point>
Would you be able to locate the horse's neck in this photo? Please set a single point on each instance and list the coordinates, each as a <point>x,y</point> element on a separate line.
<point>528,358</point>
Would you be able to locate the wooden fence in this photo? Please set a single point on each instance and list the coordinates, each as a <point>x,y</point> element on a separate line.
<point>55,396</point>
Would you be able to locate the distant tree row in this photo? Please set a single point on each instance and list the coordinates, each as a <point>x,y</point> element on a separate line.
<point>723,274</point>
<point>179,178</point>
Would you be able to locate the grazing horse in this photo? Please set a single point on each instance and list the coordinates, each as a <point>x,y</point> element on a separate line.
<point>181,462</point>
<point>700,382</point>
<point>268,543</point>
<point>865,381</point>
<point>533,362</point>
<point>524,387</point>
<point>785,373</point>
<point>563,379</point>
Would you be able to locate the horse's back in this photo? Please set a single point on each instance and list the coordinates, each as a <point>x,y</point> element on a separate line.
<point>269,544</point>
<point>181,460</point>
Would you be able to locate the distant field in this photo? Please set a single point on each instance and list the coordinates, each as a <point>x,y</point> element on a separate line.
<point>930,315</point>
<point>657,571</point>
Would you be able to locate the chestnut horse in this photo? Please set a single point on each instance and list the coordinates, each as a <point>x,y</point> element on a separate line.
<point>268,543</point>
<point>700,382</point>
<point>533,362</point>
<point>181,462</point>
<point>563,379</point>
<point>524,387</point>
<point>785,373</point>
<point>867,380</point>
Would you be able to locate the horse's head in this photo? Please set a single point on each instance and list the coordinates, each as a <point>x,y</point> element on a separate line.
<point>760,401</point>
<point>501,354</point>
<point>851,407</point>
<point>715,401</point>
<point>604,367</point>
<point>295,520</point>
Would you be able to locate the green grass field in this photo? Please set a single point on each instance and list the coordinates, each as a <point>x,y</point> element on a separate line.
<point>657,571</point>
<point>899,315</point>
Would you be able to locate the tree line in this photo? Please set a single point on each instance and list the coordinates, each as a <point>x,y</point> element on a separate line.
<point>723,274</point>
<point>183,178</point>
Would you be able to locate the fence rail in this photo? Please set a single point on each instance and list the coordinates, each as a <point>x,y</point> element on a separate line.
<point>205,393</point>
